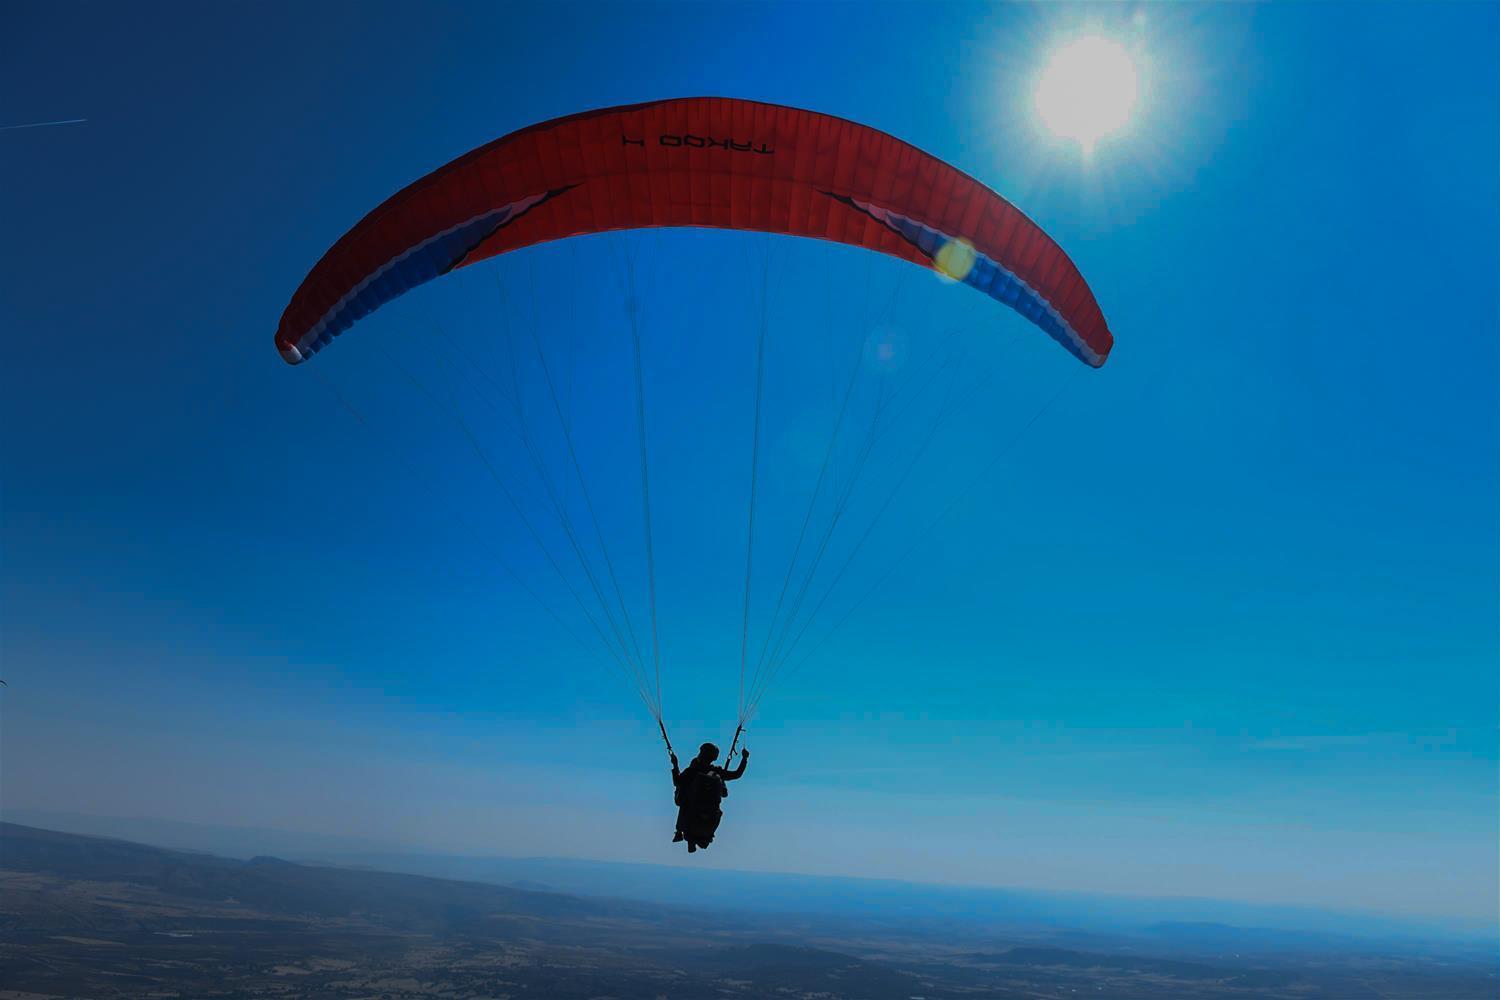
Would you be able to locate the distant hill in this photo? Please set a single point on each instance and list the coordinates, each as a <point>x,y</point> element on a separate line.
<point>1256,926</point>
<point>93,916</point>
<point>271,886</point>
<point>226,841</point>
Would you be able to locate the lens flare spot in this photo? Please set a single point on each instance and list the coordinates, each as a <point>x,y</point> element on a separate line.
<point>885,350</point>
<point>955,260</point>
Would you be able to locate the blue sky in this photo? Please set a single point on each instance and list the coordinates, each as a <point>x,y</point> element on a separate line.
<point>1223,621</point>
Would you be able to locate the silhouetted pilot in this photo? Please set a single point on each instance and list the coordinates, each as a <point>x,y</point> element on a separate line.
<point>700,787</point>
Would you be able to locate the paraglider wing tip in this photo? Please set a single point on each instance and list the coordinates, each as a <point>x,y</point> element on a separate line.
<point>1095,358</point>
<point>289,352</point>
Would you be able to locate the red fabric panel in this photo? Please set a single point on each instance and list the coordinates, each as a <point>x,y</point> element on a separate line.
<point>775,178</point>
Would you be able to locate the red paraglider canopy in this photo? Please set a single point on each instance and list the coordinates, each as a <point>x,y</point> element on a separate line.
<point>702,161</point>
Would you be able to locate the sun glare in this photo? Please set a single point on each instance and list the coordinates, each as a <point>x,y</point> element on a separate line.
<point>1087,91</point>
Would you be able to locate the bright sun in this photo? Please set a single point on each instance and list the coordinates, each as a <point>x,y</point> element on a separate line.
<point>1087,91</point>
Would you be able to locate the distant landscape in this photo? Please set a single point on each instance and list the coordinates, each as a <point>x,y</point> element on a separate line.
<point>88,916</point>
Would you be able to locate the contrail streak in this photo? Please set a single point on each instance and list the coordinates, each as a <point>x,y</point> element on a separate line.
<point>65,121</point>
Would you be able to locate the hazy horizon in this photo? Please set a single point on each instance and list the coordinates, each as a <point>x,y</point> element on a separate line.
<point>193,923</point>
<point>697,885</point>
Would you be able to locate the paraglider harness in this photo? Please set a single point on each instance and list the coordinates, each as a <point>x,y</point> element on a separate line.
<point>708,785</point>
